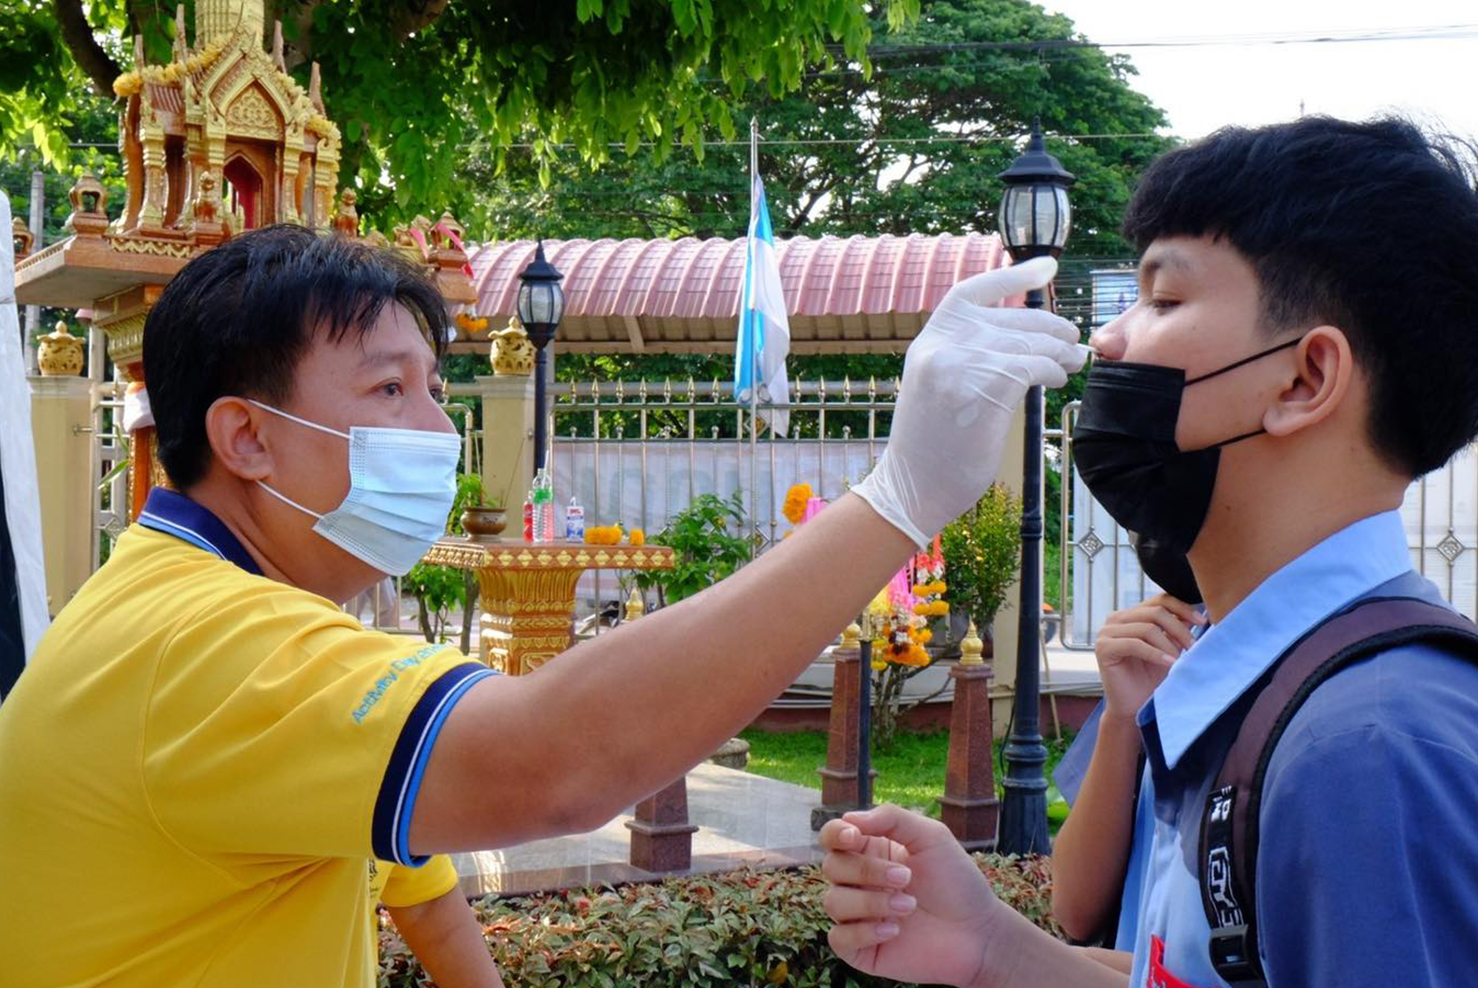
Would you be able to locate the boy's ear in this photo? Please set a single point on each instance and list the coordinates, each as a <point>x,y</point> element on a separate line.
<point>1323,369</point>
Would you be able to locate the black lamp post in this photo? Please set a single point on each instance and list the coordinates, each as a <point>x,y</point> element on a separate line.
<point>1035,217</point>
<point>541,305</point>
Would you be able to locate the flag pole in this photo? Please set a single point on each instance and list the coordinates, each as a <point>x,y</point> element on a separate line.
<point>754,370</point>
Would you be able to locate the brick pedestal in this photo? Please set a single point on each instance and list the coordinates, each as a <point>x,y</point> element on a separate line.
<point>969,806</point>
<point>839,776</point>
<point>661,837</point>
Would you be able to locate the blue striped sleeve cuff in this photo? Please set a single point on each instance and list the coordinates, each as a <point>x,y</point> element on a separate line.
<point>390,828</point>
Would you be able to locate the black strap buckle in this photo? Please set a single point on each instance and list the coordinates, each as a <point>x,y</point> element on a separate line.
<point>1234,956</point>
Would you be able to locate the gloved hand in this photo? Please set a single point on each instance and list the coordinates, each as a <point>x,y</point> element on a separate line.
<point>963,377</point>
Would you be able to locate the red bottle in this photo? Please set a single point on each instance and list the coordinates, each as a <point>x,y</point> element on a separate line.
<point>528,521</point>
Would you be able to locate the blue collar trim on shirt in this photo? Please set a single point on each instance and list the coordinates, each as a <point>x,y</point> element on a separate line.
<point>1230,655</point>
<point>177,515</point>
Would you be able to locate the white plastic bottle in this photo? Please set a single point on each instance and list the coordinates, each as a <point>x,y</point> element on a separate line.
<point>574,521</point>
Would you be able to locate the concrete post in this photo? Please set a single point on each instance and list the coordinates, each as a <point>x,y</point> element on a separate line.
<point>1003,628</point>
<point>507,440</point>
<point>61,424</point>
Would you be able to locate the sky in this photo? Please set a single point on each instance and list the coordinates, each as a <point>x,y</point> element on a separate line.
<point>1206,86</point>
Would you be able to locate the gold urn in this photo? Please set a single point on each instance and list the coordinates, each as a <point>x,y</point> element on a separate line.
<point>513,354</point>
<point>60,353</point>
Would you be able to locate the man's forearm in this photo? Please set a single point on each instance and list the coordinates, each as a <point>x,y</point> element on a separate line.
<point>666,691</point>
<point>445,937</point>
<point>618,717</point>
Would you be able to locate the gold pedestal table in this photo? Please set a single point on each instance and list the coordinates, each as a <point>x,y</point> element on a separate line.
<point>527,591</point>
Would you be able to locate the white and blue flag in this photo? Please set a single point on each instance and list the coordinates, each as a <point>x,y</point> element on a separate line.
<point>764,329</point>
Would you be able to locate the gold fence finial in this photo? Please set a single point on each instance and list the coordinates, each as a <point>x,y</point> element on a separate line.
<point>851,635</point>
<point>971,648</point>
<point>635,606</point>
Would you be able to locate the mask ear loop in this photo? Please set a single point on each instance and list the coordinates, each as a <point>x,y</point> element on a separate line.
<point>1232,367</point>
<point>312,425</point>
<point>294,418</point>
<point>1228,367</point>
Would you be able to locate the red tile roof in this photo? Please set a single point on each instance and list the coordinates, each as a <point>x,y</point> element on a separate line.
<point>852,294</point>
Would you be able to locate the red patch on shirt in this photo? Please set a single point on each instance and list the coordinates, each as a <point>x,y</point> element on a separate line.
<point>1158,976</point>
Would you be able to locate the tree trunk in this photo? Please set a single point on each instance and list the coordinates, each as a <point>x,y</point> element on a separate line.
<point>90,56</point>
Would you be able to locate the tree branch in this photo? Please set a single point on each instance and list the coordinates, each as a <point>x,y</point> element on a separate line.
<point>416,15</point>
<point>86,51</point>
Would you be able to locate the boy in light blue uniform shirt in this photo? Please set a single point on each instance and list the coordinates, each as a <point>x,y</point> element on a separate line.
<point>1289,369</point>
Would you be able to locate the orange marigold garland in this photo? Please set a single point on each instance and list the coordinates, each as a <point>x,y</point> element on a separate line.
<point>796,500</point>
<point>903,609</point>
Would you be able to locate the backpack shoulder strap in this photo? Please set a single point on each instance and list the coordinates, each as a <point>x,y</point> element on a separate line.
<point>1229,824</point>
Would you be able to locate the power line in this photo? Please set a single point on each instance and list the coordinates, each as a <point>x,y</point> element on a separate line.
<point>1443,32</point>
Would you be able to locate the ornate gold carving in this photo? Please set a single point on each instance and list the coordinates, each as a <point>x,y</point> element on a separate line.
<point>512,353</point>
<point>89,207</point>
<point>60,353</point>
<point>527,592</point>
<point>460,553</point>
<point>252,115</point>
<point>144,245</point>
<point>125,339</point>
<point>21,237</point>
<point>346,217</point>
<point>971,648</point>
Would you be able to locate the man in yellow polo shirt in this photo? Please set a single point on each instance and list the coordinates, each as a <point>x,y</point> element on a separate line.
<point>434,920</point>
<point>205,750</point>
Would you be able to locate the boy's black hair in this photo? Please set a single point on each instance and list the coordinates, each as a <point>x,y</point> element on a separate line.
<point>1370,227</point>
<point>237,319</point>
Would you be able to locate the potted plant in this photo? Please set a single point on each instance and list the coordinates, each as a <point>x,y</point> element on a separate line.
<point>484,518</point>
<point>707,542</point>
<point>982,554</point>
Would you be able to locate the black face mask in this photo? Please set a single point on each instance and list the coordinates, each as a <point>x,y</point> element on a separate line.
<point>1124,448</point>
<point>1168,568</point>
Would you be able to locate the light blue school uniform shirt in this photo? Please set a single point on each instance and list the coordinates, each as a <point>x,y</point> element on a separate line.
<point>1368,849</point>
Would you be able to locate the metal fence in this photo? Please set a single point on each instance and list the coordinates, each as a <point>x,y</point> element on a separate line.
<point>639,453</point>
<point>1100,573</point>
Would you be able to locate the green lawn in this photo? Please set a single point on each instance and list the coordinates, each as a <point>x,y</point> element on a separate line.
<point>910,773</point>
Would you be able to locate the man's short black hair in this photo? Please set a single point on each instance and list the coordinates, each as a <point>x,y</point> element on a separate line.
<point>1371,227</point>
<point>237,319</point>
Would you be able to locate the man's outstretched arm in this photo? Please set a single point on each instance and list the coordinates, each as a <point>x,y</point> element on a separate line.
<point>619,717</point>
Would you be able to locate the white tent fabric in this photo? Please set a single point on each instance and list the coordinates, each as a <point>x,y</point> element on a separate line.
<point>18,453</point>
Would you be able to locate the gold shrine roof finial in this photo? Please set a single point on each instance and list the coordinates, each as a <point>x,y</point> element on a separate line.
<point>223,18</point>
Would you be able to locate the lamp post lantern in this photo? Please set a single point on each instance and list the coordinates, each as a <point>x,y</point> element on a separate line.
<point>1034,221</point>
<point>541,305</point>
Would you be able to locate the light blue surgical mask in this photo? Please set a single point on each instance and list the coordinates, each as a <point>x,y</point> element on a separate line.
<point>402,483</point>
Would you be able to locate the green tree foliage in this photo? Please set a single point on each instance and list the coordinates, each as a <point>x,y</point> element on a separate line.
<point>913,147</point>
<point>410,82</point>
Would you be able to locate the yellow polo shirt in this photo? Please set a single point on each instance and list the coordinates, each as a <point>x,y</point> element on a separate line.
<point>397,886</point>
<point>195,767</point>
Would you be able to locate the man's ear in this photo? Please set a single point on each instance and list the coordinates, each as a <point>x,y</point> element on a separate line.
<point>1323,369</point>
<point>231,426</point>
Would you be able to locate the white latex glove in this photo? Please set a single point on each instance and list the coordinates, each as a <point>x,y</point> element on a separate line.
<point>963,377</point>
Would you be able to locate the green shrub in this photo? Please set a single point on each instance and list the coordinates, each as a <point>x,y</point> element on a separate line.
<point>707,541</point>
<point>982,553</point>
<point>753,928</point>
